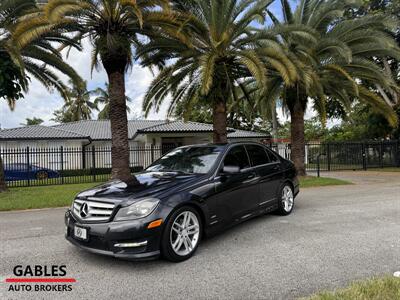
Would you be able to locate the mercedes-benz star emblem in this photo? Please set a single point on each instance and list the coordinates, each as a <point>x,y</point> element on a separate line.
<point>84,211</point>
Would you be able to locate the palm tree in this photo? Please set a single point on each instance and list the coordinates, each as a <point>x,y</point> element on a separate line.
<point>334,59</point>
<point>79,105</point>
<point>103,98</point>
<point>223,51</point>
<point>114,28</point>
<point>31,50</point>
<point>32,121</point>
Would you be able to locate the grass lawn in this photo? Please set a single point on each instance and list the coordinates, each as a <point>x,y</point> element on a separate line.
<point>41,196</point>
<point>312,181</point>
<point>386,288</point>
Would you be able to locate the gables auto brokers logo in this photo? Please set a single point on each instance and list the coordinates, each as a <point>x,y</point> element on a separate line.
<point>39,278</point>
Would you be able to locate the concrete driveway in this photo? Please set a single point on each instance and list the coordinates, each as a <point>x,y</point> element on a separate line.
<point>335,235</point>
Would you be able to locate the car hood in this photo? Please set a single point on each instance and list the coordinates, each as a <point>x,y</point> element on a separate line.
<point>152,184</point>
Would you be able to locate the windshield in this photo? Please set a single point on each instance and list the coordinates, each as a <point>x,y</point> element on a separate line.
<point>198,160</point>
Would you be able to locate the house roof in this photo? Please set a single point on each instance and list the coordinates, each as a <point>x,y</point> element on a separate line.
<point>101,130</point>
<point>180,126</point>
<point>237,134</point>
<point>37,132</point>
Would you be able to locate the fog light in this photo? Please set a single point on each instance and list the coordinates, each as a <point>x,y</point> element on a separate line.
<point>130,245</point>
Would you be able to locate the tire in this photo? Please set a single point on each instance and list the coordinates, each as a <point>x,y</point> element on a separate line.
<point>285,200</point>
<point>41,175</point>
<point>175,234</point>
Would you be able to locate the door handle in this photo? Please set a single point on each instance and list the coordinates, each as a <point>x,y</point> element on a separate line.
<point>251,176</point>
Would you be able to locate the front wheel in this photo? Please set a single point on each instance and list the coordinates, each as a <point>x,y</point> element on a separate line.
<point>182,234</point>
<point>286,200</point>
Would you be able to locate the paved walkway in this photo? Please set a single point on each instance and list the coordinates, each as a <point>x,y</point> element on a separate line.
<point>365,177</point>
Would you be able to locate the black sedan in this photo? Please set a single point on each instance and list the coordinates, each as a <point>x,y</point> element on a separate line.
<point>191,192</point>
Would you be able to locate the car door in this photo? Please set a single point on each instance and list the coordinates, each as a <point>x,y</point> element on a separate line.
<point>268,167</point>
<point>237,194</point>
<point>18,171</point>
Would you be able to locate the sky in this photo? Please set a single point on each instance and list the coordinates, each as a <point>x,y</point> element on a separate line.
<point>41,103</point>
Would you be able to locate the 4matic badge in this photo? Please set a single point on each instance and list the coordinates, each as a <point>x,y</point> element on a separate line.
<point>38,278</point>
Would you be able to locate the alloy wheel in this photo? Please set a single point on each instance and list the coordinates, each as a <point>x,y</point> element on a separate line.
<point>287,198</point>
<point>185,232</point>
<point>41,175</point>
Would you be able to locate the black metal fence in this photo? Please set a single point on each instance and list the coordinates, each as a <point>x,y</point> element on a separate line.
<point>347,155</point>
<point>46,166</point>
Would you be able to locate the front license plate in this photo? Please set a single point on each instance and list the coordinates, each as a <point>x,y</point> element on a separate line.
<point>80,233</point>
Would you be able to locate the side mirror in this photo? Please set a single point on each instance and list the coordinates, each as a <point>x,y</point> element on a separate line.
<point>231,170</point>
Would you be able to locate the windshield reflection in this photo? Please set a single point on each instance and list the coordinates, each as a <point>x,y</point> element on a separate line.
<point>189,160</point>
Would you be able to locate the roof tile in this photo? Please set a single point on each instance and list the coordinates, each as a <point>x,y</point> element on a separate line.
<point>39,132</point>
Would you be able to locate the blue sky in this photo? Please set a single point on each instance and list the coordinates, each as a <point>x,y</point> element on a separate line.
<point>41,103</point>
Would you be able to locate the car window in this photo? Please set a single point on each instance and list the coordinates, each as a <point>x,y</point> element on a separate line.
<point>237,156</point>
<point>272,156</point>
<point>257,155</point>
<point>16,167</point>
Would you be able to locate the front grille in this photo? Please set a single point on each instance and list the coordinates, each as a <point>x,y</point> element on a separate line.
<point>91,210</point>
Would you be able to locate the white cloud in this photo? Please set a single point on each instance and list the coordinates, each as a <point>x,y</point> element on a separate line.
<point>41,103</point>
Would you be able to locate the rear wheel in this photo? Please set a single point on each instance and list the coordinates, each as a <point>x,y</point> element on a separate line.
<point>41,175</point>
<point>182,234</point>
<point>286,200</point>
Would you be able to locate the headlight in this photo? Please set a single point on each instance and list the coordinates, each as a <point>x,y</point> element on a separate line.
<point>138,210</point>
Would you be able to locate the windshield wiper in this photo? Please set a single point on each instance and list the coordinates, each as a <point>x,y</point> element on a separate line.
<point>177,171</point>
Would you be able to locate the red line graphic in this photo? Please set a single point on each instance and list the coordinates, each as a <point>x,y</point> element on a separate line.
<point>32,279</point>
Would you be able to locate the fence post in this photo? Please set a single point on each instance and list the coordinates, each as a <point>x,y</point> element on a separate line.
<point>28,165</point>
<point>364,156</point>
<point>152,153</point>
<point>398,153</point>
<point>62,163</point>
<point>83,157</point>
<point>381,154</point>
<point>328,152</point>
<point>94,163</point>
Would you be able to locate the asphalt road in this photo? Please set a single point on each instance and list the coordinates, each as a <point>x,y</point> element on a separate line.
<point>334,236</point>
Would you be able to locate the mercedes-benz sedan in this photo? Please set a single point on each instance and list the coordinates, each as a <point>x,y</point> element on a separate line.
<point>191,192</point>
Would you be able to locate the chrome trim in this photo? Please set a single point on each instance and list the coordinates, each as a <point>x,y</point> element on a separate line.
<point>270,200</point>
<point>91,210</point>
<point>130,245</point>
<point>245,216</point>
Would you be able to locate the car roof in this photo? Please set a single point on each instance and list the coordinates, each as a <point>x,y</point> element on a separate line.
<point>223,146</point>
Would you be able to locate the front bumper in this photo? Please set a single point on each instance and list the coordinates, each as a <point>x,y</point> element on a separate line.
<point>103,237</point>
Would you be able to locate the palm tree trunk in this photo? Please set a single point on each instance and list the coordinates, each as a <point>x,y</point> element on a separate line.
<point>297,136</point>
<point>219,121</point>
<point>274,121</point>
<point>119,128</point>
<point>3,185</point>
